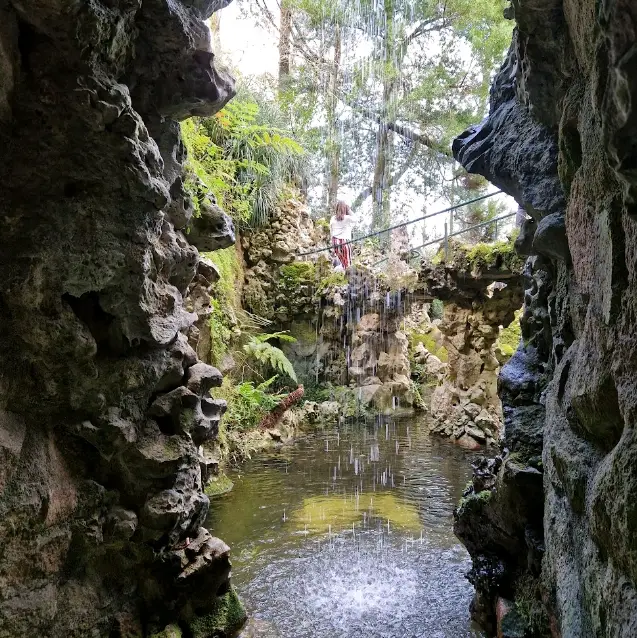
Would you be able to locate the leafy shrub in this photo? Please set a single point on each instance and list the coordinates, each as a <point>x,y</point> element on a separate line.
<point>243,157</point>
<point>247,403</point>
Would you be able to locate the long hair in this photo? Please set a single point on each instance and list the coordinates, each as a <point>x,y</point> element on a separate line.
<point>342,209</point>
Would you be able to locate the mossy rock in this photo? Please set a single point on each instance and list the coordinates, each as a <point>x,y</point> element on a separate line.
<point>171,631</point>
<point>500,255</point>
<point>297,274</point>
<point>430,344</point>
<point>218,486</point>
<point>332,280</point>
<point>509,338</point>
<point>474,501</point>
<point>224,621</point>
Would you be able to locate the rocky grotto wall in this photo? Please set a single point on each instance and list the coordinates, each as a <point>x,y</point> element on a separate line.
<point>103,404</point>
<point>554,519</point>
<point>480,295</point>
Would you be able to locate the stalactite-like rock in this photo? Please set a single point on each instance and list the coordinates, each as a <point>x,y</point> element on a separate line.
<point>561,138</point>
<point>102,402</point>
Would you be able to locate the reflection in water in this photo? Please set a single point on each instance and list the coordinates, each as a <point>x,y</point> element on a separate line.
<point>348,533</point>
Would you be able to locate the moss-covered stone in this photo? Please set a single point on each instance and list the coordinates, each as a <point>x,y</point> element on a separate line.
<point>510,336</point>
<point>171,631</point>
<point>218,485</point>
<point>430,344</point>
<point>224,621</point>
<point>333,279</point>
<point>297,273</point>
<point>474,501</point>
<point>499,255</point>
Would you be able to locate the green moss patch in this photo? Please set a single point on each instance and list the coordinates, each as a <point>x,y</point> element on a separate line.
<point>171,631</point>
<point>297,273</point>
<point>218,485</point>
<point>510,336</point>
<point>474,501</point>
<point>224,621</point>
<point>226,301</point>
<point>430,345</point>
<point>499,255</point>
<point>334,279</point>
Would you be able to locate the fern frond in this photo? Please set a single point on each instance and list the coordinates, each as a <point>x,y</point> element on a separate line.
<point>271,356</point>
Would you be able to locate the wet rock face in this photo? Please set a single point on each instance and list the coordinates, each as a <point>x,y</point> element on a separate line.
<point>565,99</point>
<point>102,402</point>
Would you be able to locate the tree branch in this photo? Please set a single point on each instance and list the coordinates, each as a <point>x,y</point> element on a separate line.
<point>393,180</point>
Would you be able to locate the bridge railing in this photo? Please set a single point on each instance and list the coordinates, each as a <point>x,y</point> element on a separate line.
<point>415,254</point>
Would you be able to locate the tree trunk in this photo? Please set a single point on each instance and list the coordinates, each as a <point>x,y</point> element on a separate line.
<point>271,419</point>
<point>285,47</point>
<point>214,23</point>
<point>333,145</point>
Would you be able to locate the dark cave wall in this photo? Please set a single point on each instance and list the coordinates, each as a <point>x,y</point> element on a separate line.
<point>561,137</point>
<point>103,404</point>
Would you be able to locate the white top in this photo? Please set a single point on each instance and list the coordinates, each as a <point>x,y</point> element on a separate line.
<point>342,229</point>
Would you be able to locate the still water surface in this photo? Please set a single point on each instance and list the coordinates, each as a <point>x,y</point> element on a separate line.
<point>348,534</point>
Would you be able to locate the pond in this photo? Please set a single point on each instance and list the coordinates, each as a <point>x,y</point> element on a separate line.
<point>348,533</point>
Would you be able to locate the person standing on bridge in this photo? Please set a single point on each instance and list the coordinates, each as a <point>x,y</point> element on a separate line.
<point>341,225</point>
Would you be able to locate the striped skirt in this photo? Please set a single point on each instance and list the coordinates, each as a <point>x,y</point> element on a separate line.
<point>342,250</point>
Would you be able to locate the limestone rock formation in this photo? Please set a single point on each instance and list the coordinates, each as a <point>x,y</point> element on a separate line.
<point>272,290</point>
<point>103,405</point>
<point>479,299</point>
<point>556,518</point>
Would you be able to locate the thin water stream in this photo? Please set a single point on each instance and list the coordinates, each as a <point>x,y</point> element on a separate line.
<point>348,533</point>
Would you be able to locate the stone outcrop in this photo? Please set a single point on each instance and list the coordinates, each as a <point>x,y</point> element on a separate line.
<point>554,516</point>
<point>480,297</point>
<point>278,286</point>
<point>103,404</point>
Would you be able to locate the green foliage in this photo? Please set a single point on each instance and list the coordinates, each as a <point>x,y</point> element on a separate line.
<point>228,264</point>
<point>297,273</point>
<point>426,65</point>
<point>226,302</point>
<point>479,213</point>
<point>509,337</point>
<point>437,309</point>
<point>247,403</point>
<point>270,356</point>
<point>243,158</point>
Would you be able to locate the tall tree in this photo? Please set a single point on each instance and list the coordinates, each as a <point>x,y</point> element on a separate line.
<point>378,88</point>
<point>285,46</point>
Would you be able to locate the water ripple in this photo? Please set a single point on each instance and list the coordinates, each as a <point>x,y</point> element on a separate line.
<point>348,534</point>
